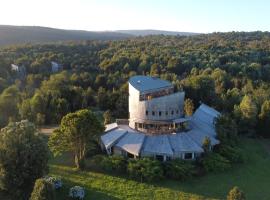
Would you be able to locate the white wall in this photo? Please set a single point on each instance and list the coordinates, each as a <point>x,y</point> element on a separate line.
<point>137,109</point>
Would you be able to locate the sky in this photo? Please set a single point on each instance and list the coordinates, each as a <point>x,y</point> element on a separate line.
<point>202,16</point>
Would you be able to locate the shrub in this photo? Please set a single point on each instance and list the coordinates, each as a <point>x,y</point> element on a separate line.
<point>114,163</point>
<point>145,169</point>
<point>43,190</point>
<point>178,169</point>
<point>56,182</point>
<point>233,154</point>
<point>76,192</point>
<point>236,194</point>
<point>215,163</point>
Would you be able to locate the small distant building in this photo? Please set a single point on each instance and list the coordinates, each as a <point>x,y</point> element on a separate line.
<point>19,70</point>
<point>56,67</point>
<point>157,126</point>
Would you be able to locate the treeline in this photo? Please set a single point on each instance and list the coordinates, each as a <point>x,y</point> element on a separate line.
<point>229,71</point>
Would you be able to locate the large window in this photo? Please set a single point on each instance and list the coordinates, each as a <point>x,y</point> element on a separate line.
<point>159,113</point>
<point>153,113</point>
<point>146,112</point>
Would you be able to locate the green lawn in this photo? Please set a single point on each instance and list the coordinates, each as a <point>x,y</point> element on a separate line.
<point>253,178</point>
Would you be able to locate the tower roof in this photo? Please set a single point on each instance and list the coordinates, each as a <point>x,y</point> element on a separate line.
<point>145,83</point>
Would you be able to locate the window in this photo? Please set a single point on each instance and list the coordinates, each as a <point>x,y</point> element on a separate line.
<point>159,113</point>
<point>172,112</point>
<point>177,111</point>
<point>166,112</point>
<point>146,112</point>
<point>153,113</point>
<point>188,156</point>
<point>159,157</point>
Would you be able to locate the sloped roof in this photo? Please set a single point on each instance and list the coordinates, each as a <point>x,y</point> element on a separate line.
<point>181,142</point>
<point>144,83</point>
<point>198,136</point>
<point>111,126</point>
<point>111,137</point>
<point>131,142</point>
<point>157,145</point>
<point>134,142</point>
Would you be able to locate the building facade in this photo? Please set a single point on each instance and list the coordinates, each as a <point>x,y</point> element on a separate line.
<point>157,126</point>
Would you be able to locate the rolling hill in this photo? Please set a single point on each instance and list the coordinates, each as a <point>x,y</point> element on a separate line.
<point>155,32</point>
<point>12,35</point>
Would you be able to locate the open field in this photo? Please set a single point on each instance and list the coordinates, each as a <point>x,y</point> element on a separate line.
<point>252,177</point>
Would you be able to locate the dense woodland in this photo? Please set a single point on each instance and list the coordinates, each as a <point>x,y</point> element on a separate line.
<point>229,71</point>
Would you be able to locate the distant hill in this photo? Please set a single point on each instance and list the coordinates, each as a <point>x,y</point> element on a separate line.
<point>10,35</point>
<point>34,34</point>
<point>155,32</point>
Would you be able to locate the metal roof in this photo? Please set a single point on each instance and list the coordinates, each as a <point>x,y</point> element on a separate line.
<point>134,142</point>
<point>157,145</point>
<point>112,137</point>
<point>181,142</point>
<point>131,142</point>
<point>145,83</point>
<point>111,126</point>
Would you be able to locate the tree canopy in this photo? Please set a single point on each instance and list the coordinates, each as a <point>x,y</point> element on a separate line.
<point>76,131</point>
<point>23,158</point>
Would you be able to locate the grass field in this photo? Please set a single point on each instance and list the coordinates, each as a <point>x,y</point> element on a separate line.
<point>253,177</point>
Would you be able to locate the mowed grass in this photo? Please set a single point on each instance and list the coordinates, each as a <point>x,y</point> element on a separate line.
<point>253,177</point>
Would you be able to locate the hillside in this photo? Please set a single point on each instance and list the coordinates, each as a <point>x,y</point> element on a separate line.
<point>10,35</point>
<point>155,32</point>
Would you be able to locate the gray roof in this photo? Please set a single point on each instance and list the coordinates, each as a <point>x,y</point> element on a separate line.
<point>111,126</point>
<point>145,83</point>
<point>112,137</point>
<point>131,142</point>
<point>134,142</point>
<point>181,142</point>
<point>157,144</point>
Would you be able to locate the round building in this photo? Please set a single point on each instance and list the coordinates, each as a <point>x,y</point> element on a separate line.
<point>157,126</point>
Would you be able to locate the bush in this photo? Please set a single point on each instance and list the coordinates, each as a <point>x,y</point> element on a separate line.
<point>76,192</point>
<point>43,190</point>
<point>56,182</point>
<point>114,163</point>
<point>214,162</point>
<point>178,169</point>
<point>236,194</point>
<point>233,154</point>
<point>145,169</point>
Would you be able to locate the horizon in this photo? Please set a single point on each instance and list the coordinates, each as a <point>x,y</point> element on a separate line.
<point>105,15</point>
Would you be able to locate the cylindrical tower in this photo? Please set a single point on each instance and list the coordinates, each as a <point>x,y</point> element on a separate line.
<point>153,105</point>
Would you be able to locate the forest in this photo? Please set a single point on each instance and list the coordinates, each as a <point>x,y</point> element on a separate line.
<point>228,71</point>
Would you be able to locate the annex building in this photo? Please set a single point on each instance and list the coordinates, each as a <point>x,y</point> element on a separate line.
<point>157,126</point>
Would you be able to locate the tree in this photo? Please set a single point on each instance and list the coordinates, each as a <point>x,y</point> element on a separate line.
<point>248,108</point>
<point>23,158</point>
<point>188,107</point>
<point>206,144</point>
<point>9,100</point>
<point>246,115</point>
<point>226,129</point>
<point>264,119</point>
<point>43,190</point>
<point>107,117</point>
<point>236,194</point>
<point>76,131</point>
